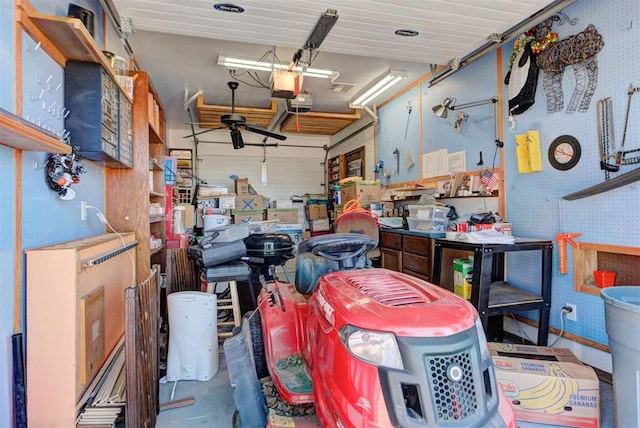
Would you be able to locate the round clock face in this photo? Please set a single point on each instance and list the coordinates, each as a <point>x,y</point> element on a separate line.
<point>564,152</point>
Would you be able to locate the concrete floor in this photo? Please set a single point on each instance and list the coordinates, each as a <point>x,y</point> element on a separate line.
<point>214,405</point>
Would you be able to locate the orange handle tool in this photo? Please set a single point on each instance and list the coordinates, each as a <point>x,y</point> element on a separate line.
<point>562,239</point>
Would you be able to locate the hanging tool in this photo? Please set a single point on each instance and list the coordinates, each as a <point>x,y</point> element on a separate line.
<point>264,165</point>
<point>397,153</point>
<point>406,128</point>
<point>480,162</point>
<point>563,239</point>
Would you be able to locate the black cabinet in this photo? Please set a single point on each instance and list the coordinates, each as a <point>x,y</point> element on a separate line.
<point>99,117</point>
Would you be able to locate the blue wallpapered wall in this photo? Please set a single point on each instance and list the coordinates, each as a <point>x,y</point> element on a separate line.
<point>397,130</point>
<point>45,218</point>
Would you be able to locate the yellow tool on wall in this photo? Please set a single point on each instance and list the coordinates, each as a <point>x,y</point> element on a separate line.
<point>528,152</point>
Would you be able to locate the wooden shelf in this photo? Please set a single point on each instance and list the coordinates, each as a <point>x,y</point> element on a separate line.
<point>154,136</point>
<point>70,38</point>
<point>155,251</point>
<point>18,133</point>
<point>155,166</point>
<point>589,257</point>
<point>155,218</point>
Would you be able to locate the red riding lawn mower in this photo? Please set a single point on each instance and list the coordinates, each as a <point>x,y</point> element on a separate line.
<point>369,347</point>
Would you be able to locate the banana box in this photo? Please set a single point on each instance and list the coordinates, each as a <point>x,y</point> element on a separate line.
<point>547,385</point>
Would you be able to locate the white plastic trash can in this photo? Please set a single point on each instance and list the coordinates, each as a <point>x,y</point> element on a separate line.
<point>193,336</point>
<point>622,319</point>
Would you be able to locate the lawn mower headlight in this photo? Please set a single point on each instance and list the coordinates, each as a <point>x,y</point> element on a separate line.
<point>377,348</point>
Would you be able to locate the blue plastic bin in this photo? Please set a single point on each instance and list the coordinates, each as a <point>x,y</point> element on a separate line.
<point>622,320</point>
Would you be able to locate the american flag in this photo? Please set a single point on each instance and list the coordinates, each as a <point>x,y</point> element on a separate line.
<point>488,180</point>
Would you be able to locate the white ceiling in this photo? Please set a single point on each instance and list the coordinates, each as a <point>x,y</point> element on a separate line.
<point>178,43</point>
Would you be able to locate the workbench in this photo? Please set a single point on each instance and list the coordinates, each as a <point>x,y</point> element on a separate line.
<point>491,295</point>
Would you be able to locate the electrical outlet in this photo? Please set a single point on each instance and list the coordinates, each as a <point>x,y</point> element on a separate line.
<point>83,210</point>
<point>573,315</point>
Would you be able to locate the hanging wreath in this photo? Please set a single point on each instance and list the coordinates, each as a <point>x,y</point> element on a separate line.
<point>62,171</point>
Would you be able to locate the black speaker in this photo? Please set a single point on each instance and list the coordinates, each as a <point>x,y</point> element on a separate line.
<point>84,15</point>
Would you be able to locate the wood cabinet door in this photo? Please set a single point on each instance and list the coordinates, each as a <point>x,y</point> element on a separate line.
<point>416,263</point>
<point>417,245</point>
<point>391,240</point>
<point>391,259</point>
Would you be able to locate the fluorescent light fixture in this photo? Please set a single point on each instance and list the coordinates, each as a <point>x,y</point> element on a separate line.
<point>249,64</point>
<point>377,87</point>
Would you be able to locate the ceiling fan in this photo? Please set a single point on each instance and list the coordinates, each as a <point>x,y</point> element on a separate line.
<point>235,121</point>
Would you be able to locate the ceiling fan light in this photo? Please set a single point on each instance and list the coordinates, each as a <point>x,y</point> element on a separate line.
<point>236,139</point>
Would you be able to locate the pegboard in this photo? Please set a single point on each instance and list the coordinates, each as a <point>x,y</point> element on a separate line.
<point>534,203</point>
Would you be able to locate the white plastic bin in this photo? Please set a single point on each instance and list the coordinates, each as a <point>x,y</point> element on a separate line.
<point>622,319</point>
<point>193,336</point>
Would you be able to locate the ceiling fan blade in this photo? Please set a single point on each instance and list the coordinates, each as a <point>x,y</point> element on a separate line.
<point>203,132</point>
<point>262,131</point>
<point>246,144</point>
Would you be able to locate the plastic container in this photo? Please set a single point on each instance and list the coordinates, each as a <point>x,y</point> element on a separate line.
<point>193,336</point>
<point>604,278</point>
<point>178,219</point>
<point>232,232</point>
<point>427,225</point>
<point>622,318</point>
<point>232,271</point>
<point>428,212</point>
<point>215,221</point>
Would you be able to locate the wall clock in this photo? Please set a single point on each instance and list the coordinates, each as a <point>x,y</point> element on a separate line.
<point>564,152</point>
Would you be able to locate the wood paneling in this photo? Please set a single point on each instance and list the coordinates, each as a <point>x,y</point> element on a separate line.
<point>317,122</point>
<point>209,115</point>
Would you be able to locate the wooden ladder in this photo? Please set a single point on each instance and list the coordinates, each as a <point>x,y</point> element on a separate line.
<point>232,304</point>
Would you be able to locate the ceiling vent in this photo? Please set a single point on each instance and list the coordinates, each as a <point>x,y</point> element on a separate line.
<point>341,87</point>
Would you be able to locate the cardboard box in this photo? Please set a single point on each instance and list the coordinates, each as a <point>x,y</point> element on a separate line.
<point>227,202</point>
<point>282,203</point>
<point>294,230</point>
<point>319,225</point>
<point>247,216</point>
<point>189,215</point>
<point>242,186</point>
<point>249,202</point>
<point>210,191</point>
<point>369,191</point>
<point>315,211</point>
<point>462,277</point>
<point>547,385</point>
<point>285,215</point>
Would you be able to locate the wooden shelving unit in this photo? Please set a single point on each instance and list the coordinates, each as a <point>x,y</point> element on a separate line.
<point>20,134</point>
<point>129,192</point>
<point>65,39</point>
<point>589,257</point>
<point>336,171</point>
